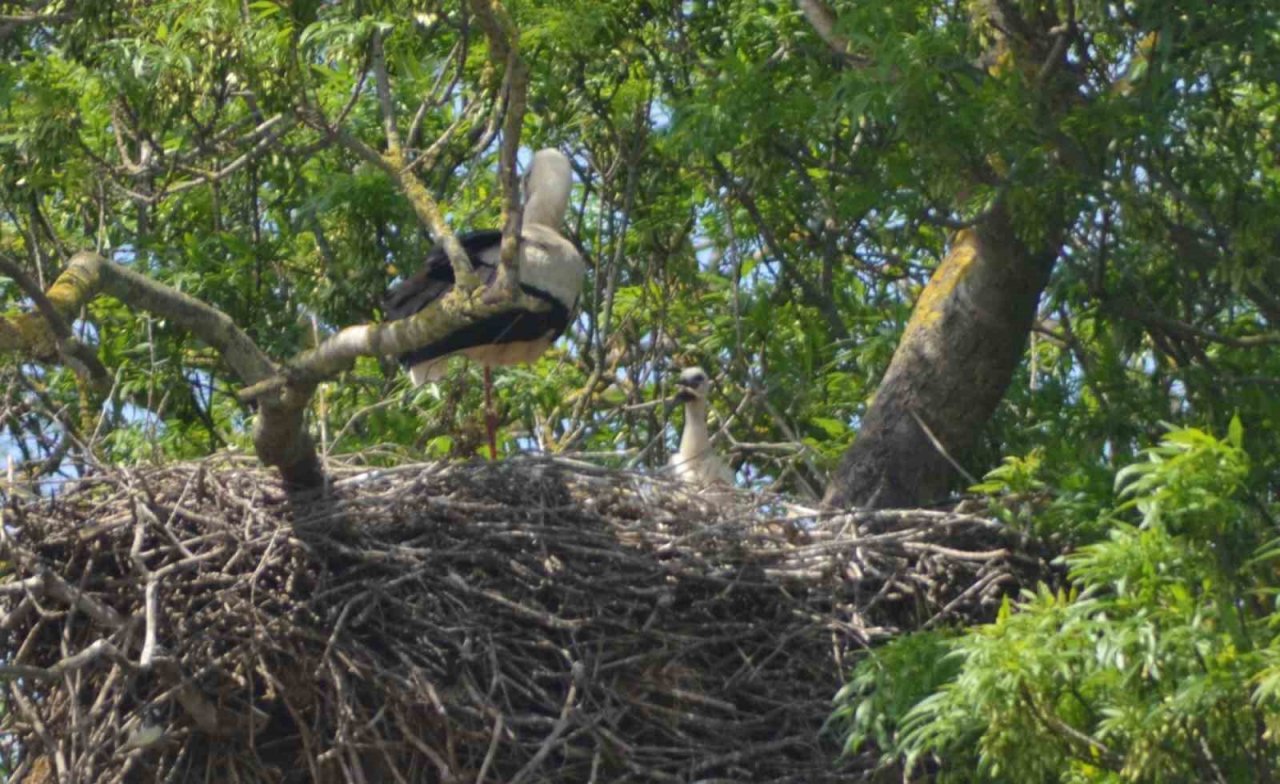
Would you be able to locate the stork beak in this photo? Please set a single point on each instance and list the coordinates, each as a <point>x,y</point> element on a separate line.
<point>683,396</point>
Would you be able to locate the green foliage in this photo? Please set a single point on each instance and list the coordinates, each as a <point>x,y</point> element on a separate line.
<point>1019,495</point>
<point>885,685</point>
<point>750,201</point>
<point>1158,665</point>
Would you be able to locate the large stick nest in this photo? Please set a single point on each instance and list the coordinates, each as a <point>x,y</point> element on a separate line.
<point>532,620</point>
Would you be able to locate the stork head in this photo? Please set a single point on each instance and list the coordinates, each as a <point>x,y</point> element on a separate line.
<point>694,384</point>
<point>546,188</point>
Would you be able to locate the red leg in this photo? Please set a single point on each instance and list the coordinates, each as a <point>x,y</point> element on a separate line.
<point>490,418</point>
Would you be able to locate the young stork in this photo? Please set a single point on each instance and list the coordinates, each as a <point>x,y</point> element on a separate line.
<point>550,269</point>
<point>696,462</point>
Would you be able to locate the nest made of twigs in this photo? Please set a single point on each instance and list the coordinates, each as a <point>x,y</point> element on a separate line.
<point>531,620</point>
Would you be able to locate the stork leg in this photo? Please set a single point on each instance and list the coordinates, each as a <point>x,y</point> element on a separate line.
<point>490,418</point>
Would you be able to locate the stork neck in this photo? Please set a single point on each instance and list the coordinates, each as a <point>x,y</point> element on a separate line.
<point>548,198</point>
<point>694,440</point>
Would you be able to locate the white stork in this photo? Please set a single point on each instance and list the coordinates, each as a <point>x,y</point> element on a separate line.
<point>550,269</point>
<point>696,462</point>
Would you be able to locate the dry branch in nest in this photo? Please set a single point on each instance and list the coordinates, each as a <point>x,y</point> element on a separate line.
<point>533,620</point>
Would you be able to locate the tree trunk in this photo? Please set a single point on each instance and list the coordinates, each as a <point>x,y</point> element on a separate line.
<point>956,358</point>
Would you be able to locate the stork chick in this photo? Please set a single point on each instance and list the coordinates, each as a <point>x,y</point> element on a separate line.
<point>696,462</point>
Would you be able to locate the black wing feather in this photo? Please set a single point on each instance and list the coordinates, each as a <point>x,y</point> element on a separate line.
<point>500,328</point>
<point>435,279</point>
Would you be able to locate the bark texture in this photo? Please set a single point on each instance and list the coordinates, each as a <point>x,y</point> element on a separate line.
<point>968,331</point>
<point>957,356</point>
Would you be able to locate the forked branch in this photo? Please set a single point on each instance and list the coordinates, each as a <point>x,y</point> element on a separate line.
<point>281,392</point>
<point>279,437</point>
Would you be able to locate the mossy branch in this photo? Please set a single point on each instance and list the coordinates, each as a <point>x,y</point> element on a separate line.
<point>279,438</point>
<point>337,353</point>
<point>88,274</point>
<point>281,392</point>
<point>424,205</point>
<point>80,357</point>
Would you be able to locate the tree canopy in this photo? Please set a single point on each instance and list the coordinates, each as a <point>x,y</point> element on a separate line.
<point>755,197</point>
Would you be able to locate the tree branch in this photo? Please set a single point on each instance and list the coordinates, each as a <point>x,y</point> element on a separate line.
<point>441,88</point>
<point>279,437</point>
<point>424,206</point>
<point>1185,331</point>
<point>504,51</point>
<point>96,650</point>
<point>271,132</point>
<point>80,357</point>
<point>383,83</point>
<point>823,21</point>
<point>335,355</point>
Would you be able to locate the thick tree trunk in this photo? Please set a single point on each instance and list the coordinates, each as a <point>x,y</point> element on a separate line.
<point>957,356</point>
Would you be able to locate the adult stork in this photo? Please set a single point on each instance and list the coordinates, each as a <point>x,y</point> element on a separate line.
<point>550,270</point>
<point>696,462</point>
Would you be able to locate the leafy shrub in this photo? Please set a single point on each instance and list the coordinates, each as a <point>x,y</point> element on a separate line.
<point>1160,664</point>
<point>885,685</point>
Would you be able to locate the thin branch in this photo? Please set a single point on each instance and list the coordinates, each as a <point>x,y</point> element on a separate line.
<point>424,206</point>
<point>427,158</point>
<point>435,96</point>
<point>46,583</point>
<point>1184,330</point>
<point>499,726</point>
<point>383,84</point>
<point>823,21</point>
<point>504,51</point>
<point>268,140</point>
<point>357,90</point>
<point>77,661</point>
<point>562,724</point>
<point>1096,750</point>
<point>516,84</point>
<point>942,450</point>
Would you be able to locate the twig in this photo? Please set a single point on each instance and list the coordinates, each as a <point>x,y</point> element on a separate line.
<point>96,650</point>
<point>499,725</point>
<point>942,450</point>
<point>562,724</point>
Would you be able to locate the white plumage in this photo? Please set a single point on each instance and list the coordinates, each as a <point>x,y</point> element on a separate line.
<point>696,462</point>
<point>550,268</point>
